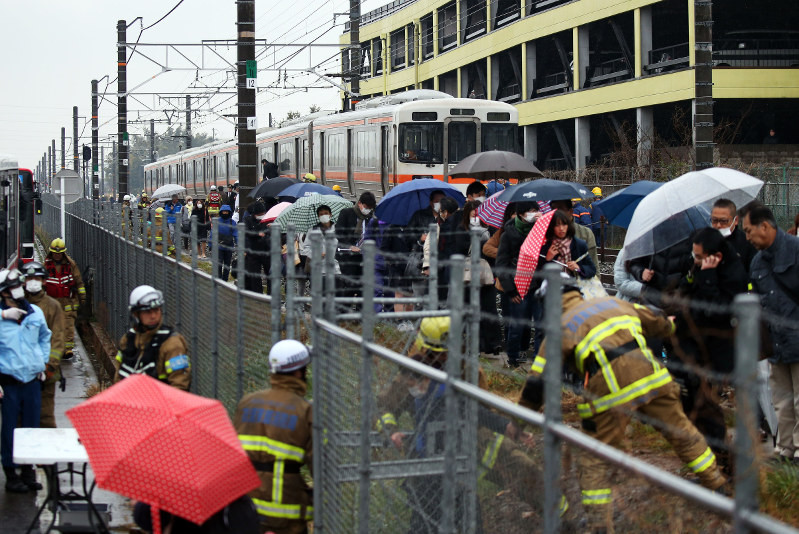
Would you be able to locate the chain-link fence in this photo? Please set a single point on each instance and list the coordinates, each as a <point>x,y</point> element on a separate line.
<point>407,438</point>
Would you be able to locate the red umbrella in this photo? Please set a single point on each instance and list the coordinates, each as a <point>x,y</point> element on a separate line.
<point>492,211</point>
<point>528,254</point>
<point>173,450</point>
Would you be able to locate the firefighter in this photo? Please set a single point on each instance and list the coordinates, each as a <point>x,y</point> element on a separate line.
<point>501,461</point>
<point>126,216</point>
<point>150,347</point>
<point>157,229</point>
<point>35,279</point>
<point>309,178</point>
<point>274,427</point>
<point>214,202</point>
<point>65,284</point>
<point>144,202</point>
<point>604,342</point>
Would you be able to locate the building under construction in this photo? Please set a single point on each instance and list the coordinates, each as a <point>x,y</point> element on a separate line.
<point>590,75</point>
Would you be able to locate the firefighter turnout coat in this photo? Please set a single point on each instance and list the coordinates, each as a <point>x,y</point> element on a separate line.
<point>274,427</point>
<point>604,342</point>
<point>54,315</point>
<point>65,284</point>
<point>160,353</point>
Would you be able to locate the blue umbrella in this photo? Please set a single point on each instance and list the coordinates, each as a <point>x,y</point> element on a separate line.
<point>399,205</point>
<point>544,189</point>
<point>620,206</point>
<point>303,190</point>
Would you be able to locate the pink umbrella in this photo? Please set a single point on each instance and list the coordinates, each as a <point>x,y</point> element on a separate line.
<point>529,253</point>
<point>274,211</point>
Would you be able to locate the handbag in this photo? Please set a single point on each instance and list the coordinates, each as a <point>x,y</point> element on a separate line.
<point>486,274</point>
<point>413,268</point>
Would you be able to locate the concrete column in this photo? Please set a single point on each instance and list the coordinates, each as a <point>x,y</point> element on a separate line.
<point>582,142</point>
<point>435,33</point>
<point>531,142</point>
<point>489,80</point>
<point>493,76</point>
<point>580,36</point>
<point>643,39</point>
<point>528,68</point>
<point>645,122</point>
<point>435,83</point>
<point>459,84</point>
<point>489,18</point>
<point>458,39</point>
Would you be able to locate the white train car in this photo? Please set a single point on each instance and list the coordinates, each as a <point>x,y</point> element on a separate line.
<point>385,141</point>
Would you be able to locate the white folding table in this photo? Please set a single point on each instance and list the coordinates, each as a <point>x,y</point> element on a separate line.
<point>48,447</point>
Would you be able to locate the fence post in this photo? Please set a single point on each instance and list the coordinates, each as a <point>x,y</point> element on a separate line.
<point>178,260</point>
<point>215,307</point>
<point>432,272</point>
<point>274,280</point>
<point>194,328</point>
<point>747,349</point>
<point>367,415</point>
<point>552,393</point>
<point>242,232</point>
<point>291,277</point>
<point>330,273</point>
<point>472,375</point>
<point>317,375</point>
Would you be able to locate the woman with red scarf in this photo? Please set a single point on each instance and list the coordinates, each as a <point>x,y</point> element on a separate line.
<point>570,252</point>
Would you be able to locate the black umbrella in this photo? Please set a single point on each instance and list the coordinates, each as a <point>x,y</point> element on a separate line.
<point>495,164</point>
<point>272,187</point>
<point>544,189</point>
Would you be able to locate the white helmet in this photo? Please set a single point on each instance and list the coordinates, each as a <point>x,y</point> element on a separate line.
<point>213,188</point>
<point>288,355</point>
<point>126,198</point>
<point>145,298</point>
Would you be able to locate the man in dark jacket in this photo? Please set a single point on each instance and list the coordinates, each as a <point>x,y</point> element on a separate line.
<point>228,237</point>
<point>256,242</point>
<point>416,234</point>
<point>774,275</point>
<point>350,230</point>
<point>724,218</point>
<point>705,335</point>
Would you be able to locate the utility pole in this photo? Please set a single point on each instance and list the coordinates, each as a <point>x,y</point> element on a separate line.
<point>188,120</point>
<point>75,142</point>
<point>355,53</point>
<point>152,140</point>
<point>115,177</point>
<point>95,193</point>
<point>122,109</point>
<point>52,158</point>
<point>703,85</point>
<point>245,52</point>
<point>102,171</point>
<point>63,148</point>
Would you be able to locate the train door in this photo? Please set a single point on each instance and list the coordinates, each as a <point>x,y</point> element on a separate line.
<point>320,151</point>
<point>385,158</point>
<point>461,139</point>
<point>350,163</point>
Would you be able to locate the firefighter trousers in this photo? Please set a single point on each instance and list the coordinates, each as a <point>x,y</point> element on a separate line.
<point>502,462</point>
<point>70,306</point>
<point>666,414</point>
<point>47,418</point>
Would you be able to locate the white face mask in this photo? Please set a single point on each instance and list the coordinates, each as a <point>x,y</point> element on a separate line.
<point>727,232</point>
<point>324,219</point>
<point>531,216</point>
<point>366,211</point>
<point>200,205</point>
<point>33,286</point>
<point>474,221</point>
<point>17,293</point>
<point>437,207</point>
<point>480,199</point>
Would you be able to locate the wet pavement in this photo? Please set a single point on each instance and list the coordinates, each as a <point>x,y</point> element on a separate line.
<point>18,510</point>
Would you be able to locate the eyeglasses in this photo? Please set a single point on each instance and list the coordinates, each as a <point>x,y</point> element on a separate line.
<point>715,220</point>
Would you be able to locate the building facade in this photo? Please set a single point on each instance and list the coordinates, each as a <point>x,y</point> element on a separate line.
<point>589,76</point>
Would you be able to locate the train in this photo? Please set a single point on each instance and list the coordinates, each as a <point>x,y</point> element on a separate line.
<point>19,202</point>
<point>385,141</point>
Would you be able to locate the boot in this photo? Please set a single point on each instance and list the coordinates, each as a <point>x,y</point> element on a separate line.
<point>28,476</point>
<point>14,483</point>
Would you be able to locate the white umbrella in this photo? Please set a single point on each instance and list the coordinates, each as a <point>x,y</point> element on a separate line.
<point>166,191</point>
<point>667,215</point>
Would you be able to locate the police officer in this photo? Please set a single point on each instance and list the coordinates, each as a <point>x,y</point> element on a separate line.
<point>35,279</point>
<point>604,341</point>
<point>24,349</point>
<point>65,284</point>
<point>274,427</point>
<point>150,347</point>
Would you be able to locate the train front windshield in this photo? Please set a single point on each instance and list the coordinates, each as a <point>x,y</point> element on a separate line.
<point>424,142</point>
<point>421,142</point>
<point>499,137</point>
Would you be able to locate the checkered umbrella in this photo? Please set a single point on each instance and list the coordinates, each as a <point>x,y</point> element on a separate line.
<point>492,211</point>
<point>302,214</point>
<point>529,253</point>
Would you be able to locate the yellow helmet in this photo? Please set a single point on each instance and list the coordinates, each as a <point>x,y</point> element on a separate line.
<point>597,192</point>
<point>58,245</point>
<point>159,212</point>
<point>433,333</point>
<point>309,177</point>
<point>336,188</point>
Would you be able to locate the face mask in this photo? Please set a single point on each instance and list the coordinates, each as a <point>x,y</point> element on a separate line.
<point>418,391</point>
<point>437,207</point>
<point>225,215</point>
<point>531,216</point>
<point>33,286</point>
<point>727,232</point>
<point>324,219</point>
<point>200,205</point>
<point>17,293</point>
<point>474,221</point>
<point>480,199</point>
<point>366,211</point>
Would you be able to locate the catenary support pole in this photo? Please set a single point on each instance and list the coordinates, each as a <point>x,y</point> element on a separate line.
<point>354,52</point>
<point>122,109</point>
<point>75,140</point>
<point>188,121</point>
<point>63,148</point>
<point>248,176</point>
<point>95,192</point>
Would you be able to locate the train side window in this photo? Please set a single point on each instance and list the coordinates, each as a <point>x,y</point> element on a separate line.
<point>234,166</point>
<point>286,156</point>
<point>365,149</point>
<point>335,150</point>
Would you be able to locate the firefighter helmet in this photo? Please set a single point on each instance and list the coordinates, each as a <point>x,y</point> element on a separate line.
<point>288,355</point>
<point>10,278</point>
<point>434,333</point>
<point>597,191</point>
<point>126,198</point>
<point>34,268</point>
<point>159,212</point>
<point>58,245</point>
<point>309,177</point>
<point>213,188</point>
<point>145,298</point>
